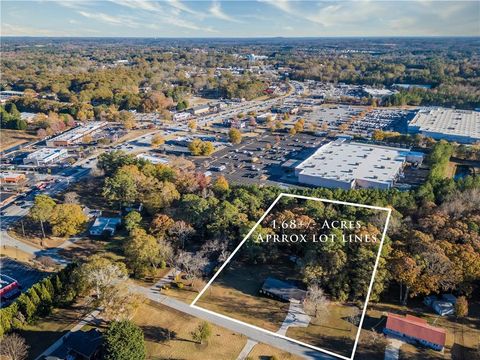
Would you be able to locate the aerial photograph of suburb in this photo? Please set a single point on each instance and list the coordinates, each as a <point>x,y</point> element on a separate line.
<point>239,179</point>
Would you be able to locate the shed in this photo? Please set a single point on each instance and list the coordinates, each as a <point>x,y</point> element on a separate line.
<point>443,308</point>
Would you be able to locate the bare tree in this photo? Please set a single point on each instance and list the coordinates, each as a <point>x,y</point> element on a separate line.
<point>191,264</point>
<point>71,197</point>
<point>316,303</point>
<point>46,261</point>
<point>216,247</point>
<point>13,347</point>
<point>121,304</point>
<point>181,231</point>
<point>354,317</point>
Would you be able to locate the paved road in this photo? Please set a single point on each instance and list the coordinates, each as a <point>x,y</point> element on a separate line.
<point>14,213</point>
<point>154,294</point>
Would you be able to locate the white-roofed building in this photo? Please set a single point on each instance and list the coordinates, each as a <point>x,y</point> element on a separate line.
<point>348,165</point>
<point>77,134</point>
<point>45,156</point>
<point>462,126</point>
<point>153,159</point>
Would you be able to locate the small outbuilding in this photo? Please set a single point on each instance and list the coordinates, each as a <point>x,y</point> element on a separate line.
<point>443,308</point>
<point>105,226</point>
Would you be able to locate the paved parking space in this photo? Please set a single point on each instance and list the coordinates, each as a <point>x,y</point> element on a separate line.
<point>24,274</point>
<point>258,160</point>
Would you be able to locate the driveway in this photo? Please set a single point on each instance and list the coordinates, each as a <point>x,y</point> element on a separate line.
<point>392,351</point>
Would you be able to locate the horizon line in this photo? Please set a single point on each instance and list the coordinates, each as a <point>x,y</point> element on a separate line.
<point>243,37</point>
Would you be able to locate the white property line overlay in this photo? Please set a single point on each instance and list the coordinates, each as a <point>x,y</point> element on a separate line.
<point>377,260</point>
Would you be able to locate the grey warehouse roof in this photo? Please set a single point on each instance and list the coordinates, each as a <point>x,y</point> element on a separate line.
<point>448,121</point>
<point>347,161</point>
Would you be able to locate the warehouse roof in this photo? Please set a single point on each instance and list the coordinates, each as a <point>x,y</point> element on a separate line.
<point>80,131</point>
<point>448,121</point>
<point>46,153</point>
<point>346,161</point>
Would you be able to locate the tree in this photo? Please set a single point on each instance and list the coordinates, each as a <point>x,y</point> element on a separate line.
<point>127,119</point>
<point>202,332</point>
<point>159,195</point>
<point>70,197</point>
<point>292,131</point>
<point>13,347</point>
<point>161,224</point>
<point>191,264</point>
<point>461,306</point>
<point>121,303</point>
<point>181,231</point>
<point>198,147</point>
<point>235,136</point>
<point>142,251</point>
<point>67,219</point>
<point>157,140</point>
<point>220,185</point>
<point>182,105</point>
<point>195,147</point>
<point>207,148</point>
<point>122,187</point>
<point>111,161</point>
<point>192,125</point>
<point>132,220</point>
<point>124,341</point>
<point>316,303</point>
<point>42,210</point>
<point>99,276</point>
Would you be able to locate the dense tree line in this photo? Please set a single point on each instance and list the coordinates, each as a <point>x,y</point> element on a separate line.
<point>10,118</point>
<point>185,209</point>
<point>38,301</point>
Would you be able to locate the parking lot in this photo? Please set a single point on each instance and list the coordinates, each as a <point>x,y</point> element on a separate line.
<point>383,119</point>
<point>24,274</point>
<point>258,160</point>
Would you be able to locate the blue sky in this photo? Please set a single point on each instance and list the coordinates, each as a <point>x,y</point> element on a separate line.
<point>262,18</point>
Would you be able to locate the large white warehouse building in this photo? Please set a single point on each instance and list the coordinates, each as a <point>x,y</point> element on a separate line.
<point>462,126</point>
<point>348,165</point>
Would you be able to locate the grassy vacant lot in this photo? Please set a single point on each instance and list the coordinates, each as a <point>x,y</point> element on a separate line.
<point>463,335</point>
<point>10,138</point>
<point>15,253</point>
<point>156,319</point>
<point>332,332</point>
<point>265,352</point>
<point>45,332</point>
<point>235,293</point>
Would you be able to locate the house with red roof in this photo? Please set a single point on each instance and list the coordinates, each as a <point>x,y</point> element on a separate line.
<point>416,329</point>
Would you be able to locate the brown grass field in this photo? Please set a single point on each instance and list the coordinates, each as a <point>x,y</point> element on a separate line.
<point>15,253</point>
<point>156,319</point>
<point>332,332</point>
<point>264,351</point>
<point>235,293</point>
<point>10,138</point>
